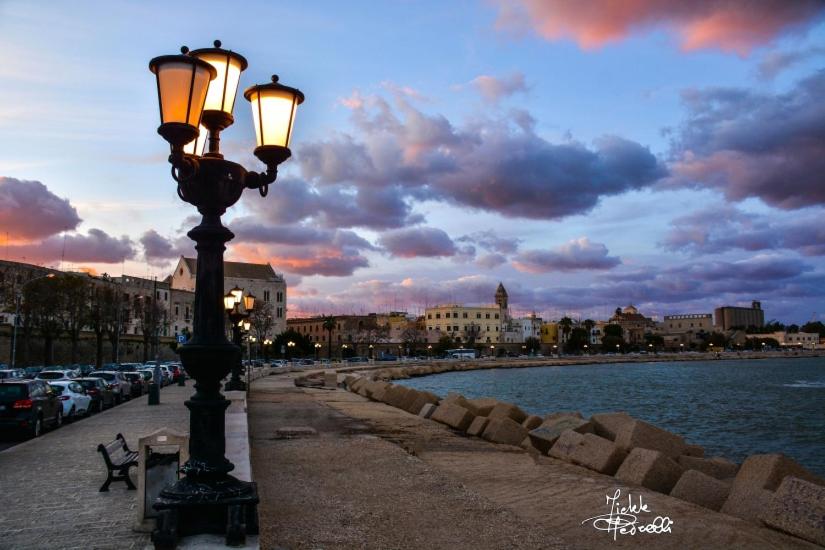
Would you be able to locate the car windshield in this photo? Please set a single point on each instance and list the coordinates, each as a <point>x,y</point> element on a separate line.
<point>57,388</point>
<point>105,375</point>
<point>87,383</point>
<point>51,375</point>
<point>12,391</point>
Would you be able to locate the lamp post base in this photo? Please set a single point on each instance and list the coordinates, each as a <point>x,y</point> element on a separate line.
<point>222,505</point>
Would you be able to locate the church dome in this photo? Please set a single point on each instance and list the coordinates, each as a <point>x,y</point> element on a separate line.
<point>630,310</point>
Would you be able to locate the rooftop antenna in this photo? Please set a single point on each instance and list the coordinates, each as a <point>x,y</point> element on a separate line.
<point>63,253</point>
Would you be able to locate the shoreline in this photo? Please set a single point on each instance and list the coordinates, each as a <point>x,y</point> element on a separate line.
<point>400,371</point>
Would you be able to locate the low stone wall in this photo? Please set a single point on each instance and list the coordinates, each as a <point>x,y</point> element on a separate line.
<point>767,489</point>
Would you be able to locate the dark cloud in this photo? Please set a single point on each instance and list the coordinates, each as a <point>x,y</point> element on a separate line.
<point>722,228</point>
<point>412,242</point>
<point>29,211</point>
<point>575,255</point>
<point>160,251</point>
<point>492,260</point>
<point>775,62</point>
<point>250,229</point>
<point>493,89</point>
<point>489,240</point>
<point>748,144</point>
<point>489,165</point>
<point>730,25</point>
<point>94,247</point>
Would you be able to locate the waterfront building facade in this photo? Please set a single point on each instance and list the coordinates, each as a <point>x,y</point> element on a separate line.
<point>805,340</point>
<point>634,324</point>
<point>260,280</point>
<point>732,317</point>
<point>685,329</point>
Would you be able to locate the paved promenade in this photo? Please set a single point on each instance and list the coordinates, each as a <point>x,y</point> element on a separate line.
<point>49,486</point>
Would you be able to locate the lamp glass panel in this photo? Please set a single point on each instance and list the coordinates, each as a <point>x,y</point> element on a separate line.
<point>277,108</point>
<point>229,75</point>
<point>197,145</point>
<point>237,293</point>
<point>249,302</point>
<point>174,81</point>
<point>228,301</point>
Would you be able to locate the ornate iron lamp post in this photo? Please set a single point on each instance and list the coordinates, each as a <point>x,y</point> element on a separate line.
<point>240,323</point>
<point>197,90</point>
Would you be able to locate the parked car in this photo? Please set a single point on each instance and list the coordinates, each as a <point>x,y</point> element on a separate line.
<point>31,372</point>
<point>121,387</point>
<point>148,374</point>
<point>167,375</point>
<point>28,406</point>
<point>12,373</point>
<point>99,391</point>
<point>84,370</point>
<point>128,367</point>
<point>76,401</point>
<point>138,383</point>
<point>55,374</point>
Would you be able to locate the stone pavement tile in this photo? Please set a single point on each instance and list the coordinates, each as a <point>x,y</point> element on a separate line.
<point>49,486</point>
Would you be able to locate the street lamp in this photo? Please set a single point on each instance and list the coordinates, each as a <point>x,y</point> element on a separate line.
<point>240,322</point>
<point>317,350</point>
<point>194,89</point>
<point>429,350</point>
<point>289,346</point>
<point>681,348</point>
<point>492,351</point>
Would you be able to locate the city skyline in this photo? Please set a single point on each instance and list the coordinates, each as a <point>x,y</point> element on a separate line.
<point>669,161</point>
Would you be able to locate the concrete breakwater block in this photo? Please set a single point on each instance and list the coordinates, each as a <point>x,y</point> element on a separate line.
<point>427,410</point>
<point>560,414</point>
<point>701,489</point>
<point>717,467</point>
<point>757,479</point>
<point>651,469</point>
<point>453,415</point>
<point>478,426</point>
<point>461,401</point>
<point>798,508</point>
<point>508,410</point>
<point>694,450</point>
<point>421,398</point>
<point>608,424</point>
<point>331,379</point>
<point>532,422</point>
<point>598,453</point>
<point>550,430</point>
<point>565,444</point>
<point>349,380</point>
<point>394,395</point>
<point>374,389</point>
<point>504,430</point>
<point>483,405</point>
<point>647,436</point>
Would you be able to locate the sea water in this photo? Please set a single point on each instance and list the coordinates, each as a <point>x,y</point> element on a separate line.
<point>733,408</point>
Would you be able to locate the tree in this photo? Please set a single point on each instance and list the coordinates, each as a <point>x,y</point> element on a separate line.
<point>532,344</point>
<point>329,326</point>
<point>815,327</point>
<point>75,291</point>
<point>613,336</point>
<point>792,329</point>
<point>412,337</point>
<point>444,343</point>
<point>115,317</point>
<point>302,348</point>
<point>578,338</point>
<point>261,320</point>
<point>45,306</point>
<point>151,317</point>
<point>101,308</point>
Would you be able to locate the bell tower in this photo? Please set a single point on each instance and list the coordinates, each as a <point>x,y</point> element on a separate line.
<point>501,297</point>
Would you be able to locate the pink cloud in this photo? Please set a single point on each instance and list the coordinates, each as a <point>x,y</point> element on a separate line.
<point>731,25</point>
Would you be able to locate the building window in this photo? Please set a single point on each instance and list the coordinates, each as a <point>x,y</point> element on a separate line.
<point>429,316</point>
<point>496,315</point>
<point>266,296</point>
<point>279,296</point>
<point>478,315</point>
<point>438,316</point>
<point>280,312</point>
<point>177,310</point>
<point>447,315</point>
<point>486,315</point>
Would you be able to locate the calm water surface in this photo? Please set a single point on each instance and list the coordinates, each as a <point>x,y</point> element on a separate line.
<point>732,408</point>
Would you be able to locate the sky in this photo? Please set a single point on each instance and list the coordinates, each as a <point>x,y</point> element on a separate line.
<point>587,154</point>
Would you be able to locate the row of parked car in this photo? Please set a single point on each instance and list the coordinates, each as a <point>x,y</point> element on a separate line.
<point>36,398</point>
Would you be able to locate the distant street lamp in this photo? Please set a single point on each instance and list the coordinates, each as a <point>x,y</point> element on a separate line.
<point>289,346</point>
<point>617,348</point>
<point>429,350</point>
<point>681,348</point>
<point>198,89</point>
<point>239,320</point>
<point>370,348</point>
<point>317,350</point>
<point>492,351</point>
<point>585,348</point>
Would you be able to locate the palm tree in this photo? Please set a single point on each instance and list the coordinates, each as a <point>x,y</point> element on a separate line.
<point>588,326</point>
<point>329,326</point>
